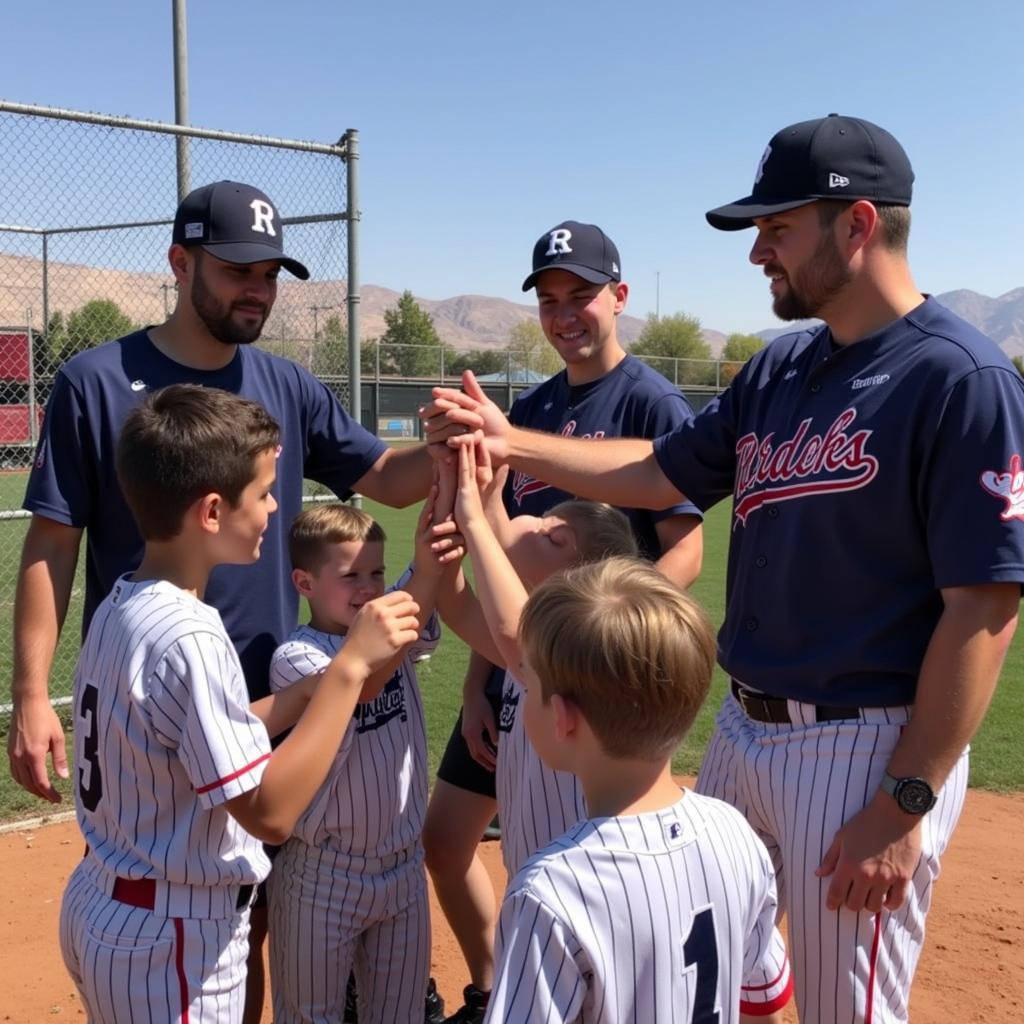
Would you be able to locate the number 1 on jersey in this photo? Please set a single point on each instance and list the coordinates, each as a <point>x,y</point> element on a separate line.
<point>700,950</point>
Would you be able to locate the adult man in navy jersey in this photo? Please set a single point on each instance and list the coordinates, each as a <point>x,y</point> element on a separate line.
<point>226,253</point>
<point>602,392</point>
<point>875,564</point>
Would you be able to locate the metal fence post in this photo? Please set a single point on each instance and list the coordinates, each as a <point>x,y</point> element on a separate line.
<point>350,140</point>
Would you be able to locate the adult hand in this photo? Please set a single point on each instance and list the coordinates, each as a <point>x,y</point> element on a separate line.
<point>35,734</point>
<point>478,720</point>
<point>453,414</point>
<point>872,858</point>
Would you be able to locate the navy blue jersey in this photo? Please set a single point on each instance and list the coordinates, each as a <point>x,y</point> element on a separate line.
<point>74,480</point>
<point>631,401</point>
<point>864,479</point>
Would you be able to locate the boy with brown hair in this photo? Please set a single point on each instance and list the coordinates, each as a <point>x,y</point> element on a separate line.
<point>349,890</point>
<point>176,781</point>
<point>661,905</point>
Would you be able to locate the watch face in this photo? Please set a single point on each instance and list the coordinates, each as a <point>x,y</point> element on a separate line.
<point>915,796</point>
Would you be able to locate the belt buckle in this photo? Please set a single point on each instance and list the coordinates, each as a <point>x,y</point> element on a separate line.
<point>746,699</point>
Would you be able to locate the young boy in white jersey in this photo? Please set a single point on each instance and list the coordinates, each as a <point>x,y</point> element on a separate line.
<point>349,888</point>
<point>661,905</point>
<point>176,781</point>
<point>535,803</point>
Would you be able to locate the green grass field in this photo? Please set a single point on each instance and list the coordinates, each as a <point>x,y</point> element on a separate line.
<point>997,758</point>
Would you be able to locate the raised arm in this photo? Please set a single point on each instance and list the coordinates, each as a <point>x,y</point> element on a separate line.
<point>48,560</point>
<point>399,477</point>
<point>622,472</point>
<point>502,594</point>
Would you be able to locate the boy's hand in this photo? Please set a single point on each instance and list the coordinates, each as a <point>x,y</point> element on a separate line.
<point>438,544</point>
<point>468,503</point>
<point>380,631</point>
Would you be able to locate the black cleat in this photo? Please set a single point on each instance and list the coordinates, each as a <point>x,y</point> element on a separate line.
<point>434,1009</point>
<point>474,1008</point>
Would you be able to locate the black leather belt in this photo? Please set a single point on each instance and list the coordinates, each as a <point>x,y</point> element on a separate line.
<point>763,708</point>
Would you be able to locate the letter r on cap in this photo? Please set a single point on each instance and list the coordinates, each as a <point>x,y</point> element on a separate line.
<point>559,242</point>
<point>263,217</point>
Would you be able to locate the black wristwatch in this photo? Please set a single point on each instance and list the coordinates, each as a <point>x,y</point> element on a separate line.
<point>913,795</point>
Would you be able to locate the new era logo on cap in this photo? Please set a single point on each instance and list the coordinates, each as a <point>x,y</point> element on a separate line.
<point>582,249</point>
<point>812,159</point>
<point>236,223</point>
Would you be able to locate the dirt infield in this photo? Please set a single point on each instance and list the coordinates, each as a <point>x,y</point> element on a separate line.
<point>972,969</point>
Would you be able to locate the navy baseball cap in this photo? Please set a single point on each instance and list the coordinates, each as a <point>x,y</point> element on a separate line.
<point>234,222</point>
<point>582,249</point>
<point>833,157</point>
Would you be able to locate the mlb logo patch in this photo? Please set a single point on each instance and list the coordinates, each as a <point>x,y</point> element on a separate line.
<point>194,230</point>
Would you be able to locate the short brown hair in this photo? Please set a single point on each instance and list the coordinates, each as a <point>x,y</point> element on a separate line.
<point>601,531</point>
<point>630,649</point>
<point>895,221</point>
<point>313,529</point>
<point>183,442</point>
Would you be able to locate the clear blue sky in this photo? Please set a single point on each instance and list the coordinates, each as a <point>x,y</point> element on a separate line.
<point>483,125</point>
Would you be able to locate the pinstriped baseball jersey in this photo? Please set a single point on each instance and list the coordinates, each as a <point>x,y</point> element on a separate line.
<point>375,795</point>
<point>535,803</point>
<point>163,738</point>
<point>654,917</point>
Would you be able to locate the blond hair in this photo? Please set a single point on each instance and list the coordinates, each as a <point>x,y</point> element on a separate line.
<point>600,530</point>
<point>313,529</point>
<point>630,649</point>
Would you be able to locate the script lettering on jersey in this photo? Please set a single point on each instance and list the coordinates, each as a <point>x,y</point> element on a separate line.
<point>388,704</point>
<point>1007,484</point>
<point>509,703</point>
<point>804,465</point>
<point>524,485</point>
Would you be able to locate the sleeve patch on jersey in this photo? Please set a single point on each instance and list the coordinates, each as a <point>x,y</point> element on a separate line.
<point>234,775</point>
<point>1009,485</point>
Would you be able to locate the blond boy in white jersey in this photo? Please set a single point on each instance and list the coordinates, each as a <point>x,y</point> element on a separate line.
<point>176,781</point>
<point>660,906</point>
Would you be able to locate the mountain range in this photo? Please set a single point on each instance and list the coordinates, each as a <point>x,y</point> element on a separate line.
<point>464,321</point>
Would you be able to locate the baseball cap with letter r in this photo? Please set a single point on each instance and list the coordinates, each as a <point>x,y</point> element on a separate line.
<point>234,222</point>
<point>832,157</point>
<point>582,249</point>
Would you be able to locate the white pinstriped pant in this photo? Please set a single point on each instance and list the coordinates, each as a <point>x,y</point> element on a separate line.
<point>131,965</point>
<point>331,913</point>
<point>796,785</point>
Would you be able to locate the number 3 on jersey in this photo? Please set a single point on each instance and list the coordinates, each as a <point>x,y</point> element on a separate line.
<point>700,953</point>
<point>90,780</point>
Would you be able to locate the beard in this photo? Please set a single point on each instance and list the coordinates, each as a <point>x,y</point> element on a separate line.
<point>218,317</point>
<point>811,286</point>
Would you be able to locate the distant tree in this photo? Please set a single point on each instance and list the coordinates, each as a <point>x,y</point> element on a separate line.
<point>738,349</point>
<point>1018,361</point>
<point>97,321</point>
<point>530,350</point>
<point>410,345</point>
<point>330,350</point>
<point>479,360</point>
<point>48,346</point>
<point>677,337</point>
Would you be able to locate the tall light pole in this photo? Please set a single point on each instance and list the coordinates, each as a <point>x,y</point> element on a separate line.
<point>180,20</point>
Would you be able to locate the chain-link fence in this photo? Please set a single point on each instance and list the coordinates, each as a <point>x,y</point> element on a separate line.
<point>87,203</point>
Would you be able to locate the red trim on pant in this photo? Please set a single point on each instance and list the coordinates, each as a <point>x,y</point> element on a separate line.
<point>871,970</point>
<point>179,963</point>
